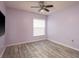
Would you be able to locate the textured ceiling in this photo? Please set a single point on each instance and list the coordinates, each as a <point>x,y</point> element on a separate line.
<point>26,5</point>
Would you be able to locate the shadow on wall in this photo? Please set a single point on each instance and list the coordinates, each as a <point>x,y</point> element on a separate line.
<point>2,24</point>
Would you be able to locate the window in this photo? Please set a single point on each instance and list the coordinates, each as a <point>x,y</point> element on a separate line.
<point>38,27</point>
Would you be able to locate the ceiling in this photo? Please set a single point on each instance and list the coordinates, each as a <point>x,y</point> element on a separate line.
<point>26,5</point>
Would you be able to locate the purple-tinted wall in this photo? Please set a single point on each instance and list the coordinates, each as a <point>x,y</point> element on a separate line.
<point>19,26</point>
<point>63,27</point>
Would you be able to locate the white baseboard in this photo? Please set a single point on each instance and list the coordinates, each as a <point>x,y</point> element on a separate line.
<point>37,38</point>
<point>64,45</point>
<point>2,52</point>
<point>22,42</point>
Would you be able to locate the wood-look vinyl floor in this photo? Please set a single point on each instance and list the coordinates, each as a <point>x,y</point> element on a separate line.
<point>40,49</point>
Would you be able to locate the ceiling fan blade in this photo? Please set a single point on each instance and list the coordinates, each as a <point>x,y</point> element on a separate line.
<point>35,6</point>
<point>48,6</point>
<point>46,10</point>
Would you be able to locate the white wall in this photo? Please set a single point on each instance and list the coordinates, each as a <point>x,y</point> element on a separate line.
<point>19,26</point>
<point>2,38</point>
<point>63,27</point>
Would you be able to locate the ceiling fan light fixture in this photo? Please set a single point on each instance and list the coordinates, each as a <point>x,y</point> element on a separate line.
<point>43,7</point>
<point>42,11</point>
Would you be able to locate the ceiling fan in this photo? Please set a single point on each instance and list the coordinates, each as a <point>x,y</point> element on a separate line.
<point>42,6</point>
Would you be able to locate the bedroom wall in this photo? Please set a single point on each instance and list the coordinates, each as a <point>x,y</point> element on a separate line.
<point>2,38</point>
<point>63,27</point>
<point>19,26</point>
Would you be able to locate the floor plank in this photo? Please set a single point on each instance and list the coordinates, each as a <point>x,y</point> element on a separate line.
<point>40,49</point>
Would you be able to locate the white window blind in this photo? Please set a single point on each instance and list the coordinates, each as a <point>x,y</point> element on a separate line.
<point>38,27</point>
